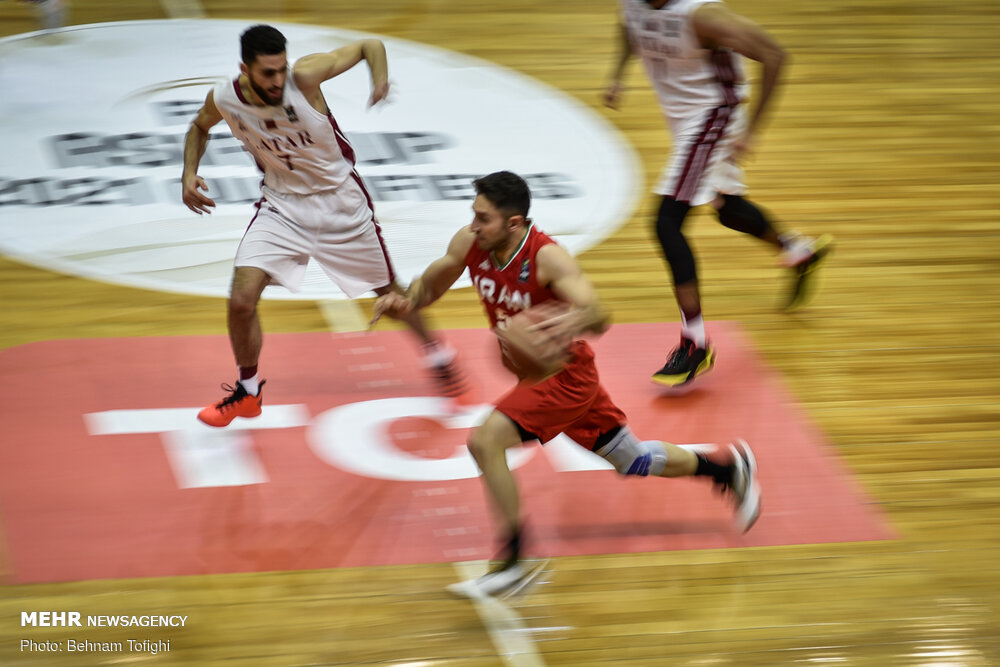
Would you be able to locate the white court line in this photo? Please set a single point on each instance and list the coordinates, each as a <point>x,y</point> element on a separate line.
<point>183,9</point>
<point>511,638</point>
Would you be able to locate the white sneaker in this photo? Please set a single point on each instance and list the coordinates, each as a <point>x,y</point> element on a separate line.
<point>745,487</point>
<point>505,581</point>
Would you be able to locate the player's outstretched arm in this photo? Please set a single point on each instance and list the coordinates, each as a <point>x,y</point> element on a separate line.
<point>440,275</point>
<point>312,70</point>
<point>194,147</point>
<point>613,92</point>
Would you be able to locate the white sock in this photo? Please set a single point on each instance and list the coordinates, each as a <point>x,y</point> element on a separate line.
<point>795,249</point>
<point>252,385</point>
<point>694,329</point>
<point>438,354</point>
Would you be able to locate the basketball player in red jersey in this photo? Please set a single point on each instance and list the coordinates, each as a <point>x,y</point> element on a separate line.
<point>514,266</point>
<point>313,203</point>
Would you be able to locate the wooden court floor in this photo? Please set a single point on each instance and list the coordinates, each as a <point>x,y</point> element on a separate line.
<point>886,135</point>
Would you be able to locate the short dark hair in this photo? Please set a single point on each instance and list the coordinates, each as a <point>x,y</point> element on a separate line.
<point>260,40</point>
<point>505,190</point>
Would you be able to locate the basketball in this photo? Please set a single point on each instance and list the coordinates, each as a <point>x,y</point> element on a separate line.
<point>530,348</point>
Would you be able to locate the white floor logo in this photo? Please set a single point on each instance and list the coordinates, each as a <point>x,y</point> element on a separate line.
<point>93,131</point>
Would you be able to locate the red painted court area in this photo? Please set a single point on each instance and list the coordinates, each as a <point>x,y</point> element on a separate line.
<point>105,473</point>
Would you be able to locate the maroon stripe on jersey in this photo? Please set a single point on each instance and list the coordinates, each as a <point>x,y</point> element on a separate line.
<point>348,152</point>
<point>699,152</point>
<point>257,205</point>
<point>385,251</point>
<point>239,91</point>
<point>725,73</point>
<point>345,146</point>
<point>378,228</point>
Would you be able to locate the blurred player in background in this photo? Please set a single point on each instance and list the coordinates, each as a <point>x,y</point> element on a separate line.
<point>50,14</point>
<point>691,51</point>
<point>313,202</point>
<point>515,267</point>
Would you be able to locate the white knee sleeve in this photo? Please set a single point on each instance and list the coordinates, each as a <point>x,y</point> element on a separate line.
<point>629,456</point>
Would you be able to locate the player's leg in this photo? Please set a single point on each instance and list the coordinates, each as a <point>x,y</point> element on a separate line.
<point>243,321</point>
<point>439,358</point>
<point>244,398</point>
<point>530,411</point>
<point>693,357</point>
<point>685,183</point>
<point>274,250</point>
<point>488,445</point>
<point>737,477</point>
<point>801,254</point>
<point>742,215</point>
<point>605,430</point>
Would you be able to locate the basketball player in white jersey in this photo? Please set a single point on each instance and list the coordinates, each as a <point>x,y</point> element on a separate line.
<point>313,203</point>
<point>691,51</point>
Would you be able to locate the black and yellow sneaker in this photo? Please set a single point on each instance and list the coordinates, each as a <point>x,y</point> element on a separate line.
<point>804,272</point>
<point>685,363</point>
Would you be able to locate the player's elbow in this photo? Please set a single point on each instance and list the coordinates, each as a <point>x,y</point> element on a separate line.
<point>775,56</point>
<point>372,47</point>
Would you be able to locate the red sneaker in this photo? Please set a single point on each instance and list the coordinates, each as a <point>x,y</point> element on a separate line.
<point>238,404</point>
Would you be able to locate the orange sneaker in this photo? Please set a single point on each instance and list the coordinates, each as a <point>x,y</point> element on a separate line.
<point>238,404</point>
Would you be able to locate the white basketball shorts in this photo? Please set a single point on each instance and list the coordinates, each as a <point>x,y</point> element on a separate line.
<point>701,164</point>
<point>336,229</point>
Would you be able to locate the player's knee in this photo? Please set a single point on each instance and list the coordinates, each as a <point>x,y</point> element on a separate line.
<point>631,456</point>
<point>675,247</point>
<point>483,443</point>
<point>242,305</point>
<point>476,443</point>
<point>669,219</point>
<point>743,216</point>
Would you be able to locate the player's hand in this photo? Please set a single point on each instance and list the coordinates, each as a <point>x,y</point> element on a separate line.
<point>195,200</point>
<point>393,304</point>
<point>560,322</point>
<point>613,94</point>
<point>743,148</point>
<point>537,341</point>
<point>379,93</point>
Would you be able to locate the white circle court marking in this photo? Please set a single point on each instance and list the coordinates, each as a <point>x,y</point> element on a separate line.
<point>94,124</point>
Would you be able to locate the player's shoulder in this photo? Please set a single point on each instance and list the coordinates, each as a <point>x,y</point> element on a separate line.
<point>462,242</point>
<point>538,238</point>
<point>542,243</point>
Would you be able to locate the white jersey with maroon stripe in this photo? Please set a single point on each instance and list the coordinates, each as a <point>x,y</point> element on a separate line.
<point>299,149</point>
<point>687,77</point>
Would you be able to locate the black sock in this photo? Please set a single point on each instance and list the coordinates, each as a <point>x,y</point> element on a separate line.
<point>511,551</point>
<point>721,474</point>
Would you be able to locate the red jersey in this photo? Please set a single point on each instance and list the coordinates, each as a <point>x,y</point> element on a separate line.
<point>572,401</point>
<point>507,290</point>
